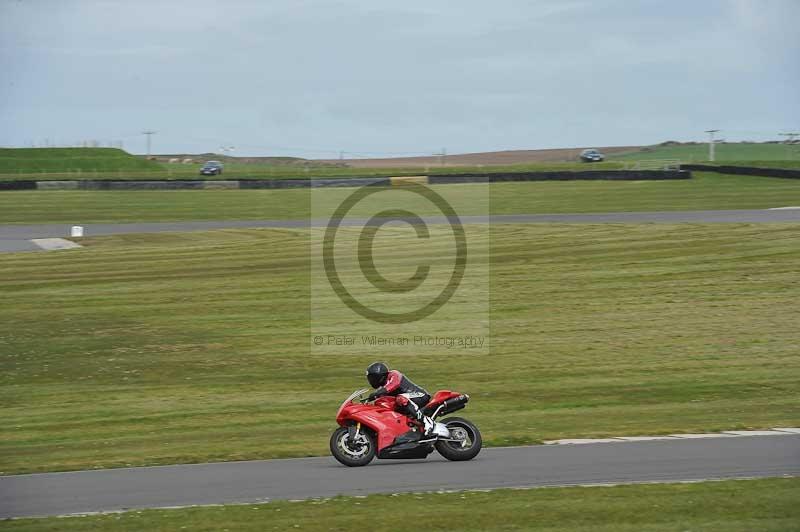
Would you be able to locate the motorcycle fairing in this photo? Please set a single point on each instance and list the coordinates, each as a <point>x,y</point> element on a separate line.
<point>398,452</point>
<point>385,422</point>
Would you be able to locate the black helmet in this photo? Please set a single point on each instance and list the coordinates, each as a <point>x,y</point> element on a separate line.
<point>377,373</point>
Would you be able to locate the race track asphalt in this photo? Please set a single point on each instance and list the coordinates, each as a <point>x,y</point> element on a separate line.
<point>17,237</point>
<point>257,481</point>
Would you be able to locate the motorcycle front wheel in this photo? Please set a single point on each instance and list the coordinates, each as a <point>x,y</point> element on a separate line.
<point>468,437</point>
<point>352,453</point>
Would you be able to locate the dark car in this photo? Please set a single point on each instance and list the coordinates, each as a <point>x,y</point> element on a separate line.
<point>592,156</point>
<point>211,168</point>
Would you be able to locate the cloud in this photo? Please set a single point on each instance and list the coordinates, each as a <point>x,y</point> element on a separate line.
<point>410,76</point>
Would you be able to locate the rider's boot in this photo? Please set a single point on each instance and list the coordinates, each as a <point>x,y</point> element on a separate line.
<point>426,423</point>
<point>429,424</point>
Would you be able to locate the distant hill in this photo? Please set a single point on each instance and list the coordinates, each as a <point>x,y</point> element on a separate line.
<point>106,160</point>
<point>685,151</point>
<point>483,158</point>
<point>31,160</point>
<point>202,157</point>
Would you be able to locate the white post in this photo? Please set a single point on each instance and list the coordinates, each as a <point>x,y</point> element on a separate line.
<point>149,133</point>
<point>711,144</point>
<point>76,231</point>
<point>789,141</point>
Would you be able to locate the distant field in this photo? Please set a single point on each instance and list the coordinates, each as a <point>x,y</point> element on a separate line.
<point>704,191</point>
<point>173,348</point>
<point>109,163</point>
<point>738,152</point>
<point>768,505</point>
<point>236,170</point>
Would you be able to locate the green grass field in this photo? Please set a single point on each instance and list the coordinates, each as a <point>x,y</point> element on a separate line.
<point>171,348</point>
<point>25,161</point>
<point>738,152</point>
<point>789,165</point>
<point>704,191</point>
<point>734,506</point>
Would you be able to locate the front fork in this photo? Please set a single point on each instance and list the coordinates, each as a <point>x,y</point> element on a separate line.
<point>352,431</point>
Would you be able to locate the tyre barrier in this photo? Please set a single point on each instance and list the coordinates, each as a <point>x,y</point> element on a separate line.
<point>17,185</point>
<point>744,170</point>
<point>256,184</point>
<point>586,175</point>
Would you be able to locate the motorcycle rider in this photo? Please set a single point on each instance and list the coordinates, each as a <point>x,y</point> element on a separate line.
<point>409,397</point>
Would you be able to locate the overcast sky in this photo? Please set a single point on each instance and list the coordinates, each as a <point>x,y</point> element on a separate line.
<point>372,77</point>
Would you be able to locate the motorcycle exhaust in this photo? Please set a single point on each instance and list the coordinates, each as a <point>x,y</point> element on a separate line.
<point>451,405</point>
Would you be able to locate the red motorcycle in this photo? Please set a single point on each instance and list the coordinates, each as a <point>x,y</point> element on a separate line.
<point>369,430</point>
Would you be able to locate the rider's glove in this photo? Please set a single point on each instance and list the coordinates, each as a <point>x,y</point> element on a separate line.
<point>377,393</point>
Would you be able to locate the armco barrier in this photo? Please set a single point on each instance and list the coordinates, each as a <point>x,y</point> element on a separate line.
<point>221,185</point>
<point>313,183</point>
<point>141,185</point>
<point>57,185</point>
<point>744,170</point>
<point>254,184</point>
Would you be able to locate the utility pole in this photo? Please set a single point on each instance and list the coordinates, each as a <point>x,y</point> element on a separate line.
<point>149,133</point>
<point>711,143</point>
<point>789,141</point>
<point>442,156</point>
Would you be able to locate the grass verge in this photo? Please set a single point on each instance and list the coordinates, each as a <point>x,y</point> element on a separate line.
<point>22,163</point>
<point>705,191</point>
<point>169,348</point>
<point>736,505</point>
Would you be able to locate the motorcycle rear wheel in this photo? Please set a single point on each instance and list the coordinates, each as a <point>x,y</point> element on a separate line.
<point>350,454</point>
<point>469,448</point>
